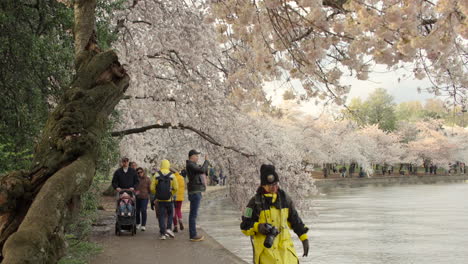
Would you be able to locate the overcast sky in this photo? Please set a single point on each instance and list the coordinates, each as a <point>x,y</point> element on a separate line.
<point>402,88</point>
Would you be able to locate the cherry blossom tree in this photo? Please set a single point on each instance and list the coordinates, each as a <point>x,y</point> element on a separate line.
<point>195,67</point>
<point>180,98</point>
<point>319,42</point>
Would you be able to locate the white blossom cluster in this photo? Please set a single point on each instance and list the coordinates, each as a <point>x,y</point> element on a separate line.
<point>343,142</point>
<point>319,42</point>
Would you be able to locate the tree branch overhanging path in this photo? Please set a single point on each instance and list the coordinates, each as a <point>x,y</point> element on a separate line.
<point>36,204</point>
<point>202,134</point>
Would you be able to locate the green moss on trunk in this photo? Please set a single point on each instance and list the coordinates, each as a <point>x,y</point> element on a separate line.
<point>63,165</point>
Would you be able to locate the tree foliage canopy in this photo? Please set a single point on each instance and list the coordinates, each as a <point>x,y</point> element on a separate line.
<point>36,67</point>
<point>35,63</point>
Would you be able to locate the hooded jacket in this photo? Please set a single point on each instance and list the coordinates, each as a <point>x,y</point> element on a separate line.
<point>181,185</point>
<point>165,166</point>
<point>279,211</point>
<point>195,176</point>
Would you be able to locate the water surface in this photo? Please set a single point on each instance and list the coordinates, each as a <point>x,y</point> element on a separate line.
<point>393,224</point>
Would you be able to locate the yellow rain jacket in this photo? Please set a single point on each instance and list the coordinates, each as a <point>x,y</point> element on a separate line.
<point>181,185</point>
<point>279,211</point>
<point>165,165</point>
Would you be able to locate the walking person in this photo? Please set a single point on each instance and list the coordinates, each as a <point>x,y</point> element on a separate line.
<point>343,171</point>
<point>196,185</point>
<point>222,178</point>
<point>179,198</point>
<point>164,186</point>
<point>125,177</point>
<point>143,194</point>
<point>267,219</point>
<point>211,176</point>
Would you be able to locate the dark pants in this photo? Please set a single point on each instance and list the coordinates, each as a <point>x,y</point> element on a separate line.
<point>141,207</point>
<point>165,209</point>
<point>195,199</point>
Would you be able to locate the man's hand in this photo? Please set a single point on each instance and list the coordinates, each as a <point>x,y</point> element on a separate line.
<point>206,157</point>
<point>132,189</point>
<point>118,189</point>
<point>305,246</point>
<point>262,228</point>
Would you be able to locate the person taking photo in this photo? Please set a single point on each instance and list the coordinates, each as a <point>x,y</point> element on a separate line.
<point>267,219</point>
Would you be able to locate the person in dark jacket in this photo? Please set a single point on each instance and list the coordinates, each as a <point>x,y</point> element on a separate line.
<point>267,219</point>
<point>196,185</point>
<point>125,177</point>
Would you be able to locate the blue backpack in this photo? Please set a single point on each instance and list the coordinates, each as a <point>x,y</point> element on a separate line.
<point>163,189</point>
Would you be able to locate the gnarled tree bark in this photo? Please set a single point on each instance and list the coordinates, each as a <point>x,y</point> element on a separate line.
<point>34,204</point>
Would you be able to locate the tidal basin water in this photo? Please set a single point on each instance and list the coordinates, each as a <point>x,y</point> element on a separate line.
<point>373,224</point>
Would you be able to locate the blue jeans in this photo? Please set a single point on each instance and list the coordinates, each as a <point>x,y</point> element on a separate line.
<point>165,209</point>
<point>141,207</point>
<point>195,199</point>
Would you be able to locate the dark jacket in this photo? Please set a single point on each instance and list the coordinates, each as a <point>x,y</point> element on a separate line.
<point>125,180</point>
<point>194,173</point>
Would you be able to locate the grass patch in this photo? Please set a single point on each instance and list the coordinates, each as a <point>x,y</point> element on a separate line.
<point>80,250</point>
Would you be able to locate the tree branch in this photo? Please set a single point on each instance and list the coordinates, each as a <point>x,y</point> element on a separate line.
<point>202,134</point>
<point>338,4</point>
<point>142,21</point>
<point>153,98</point>
<point>84,23</point>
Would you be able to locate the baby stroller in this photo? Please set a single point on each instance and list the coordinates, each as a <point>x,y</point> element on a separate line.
<point>125,221</point>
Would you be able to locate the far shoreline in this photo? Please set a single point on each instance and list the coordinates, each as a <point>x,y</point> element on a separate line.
<point>323,185</point>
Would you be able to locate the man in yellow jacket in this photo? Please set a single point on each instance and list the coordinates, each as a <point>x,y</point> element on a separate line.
<point>164,186</point>
<point>267,219</point>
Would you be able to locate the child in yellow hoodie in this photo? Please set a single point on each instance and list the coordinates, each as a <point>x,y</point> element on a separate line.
<point>179,198</point>
<point>164,186</point>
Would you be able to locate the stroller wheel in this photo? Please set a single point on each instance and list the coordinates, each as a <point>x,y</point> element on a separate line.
<point>117,230</point>
<point>134,230</point>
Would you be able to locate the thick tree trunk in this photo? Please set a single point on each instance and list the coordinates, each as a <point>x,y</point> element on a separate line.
<point>34,204</point>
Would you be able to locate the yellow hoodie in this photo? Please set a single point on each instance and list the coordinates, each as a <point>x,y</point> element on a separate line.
<point>165,165</point>
<point>181,183</point>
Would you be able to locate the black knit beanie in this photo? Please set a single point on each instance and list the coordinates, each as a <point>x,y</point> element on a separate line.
<point>268,174</point>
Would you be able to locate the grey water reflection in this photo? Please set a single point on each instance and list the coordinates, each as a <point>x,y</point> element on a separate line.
<point>393,224</point>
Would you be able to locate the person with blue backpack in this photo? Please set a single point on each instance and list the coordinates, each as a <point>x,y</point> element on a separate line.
<point>163,187</point>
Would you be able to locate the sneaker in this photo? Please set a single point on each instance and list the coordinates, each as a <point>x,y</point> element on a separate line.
<point>162,237</point>
<point>197,238</point>
<point>181,226</point>
<point>138,226</point>
<point>170,233</point>
<point>143,228</point>
<point>129,214</point>
<point>122,214</point>
<point>175,229</point>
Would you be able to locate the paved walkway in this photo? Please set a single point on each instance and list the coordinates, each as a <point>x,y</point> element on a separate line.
<point>146,248</point>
